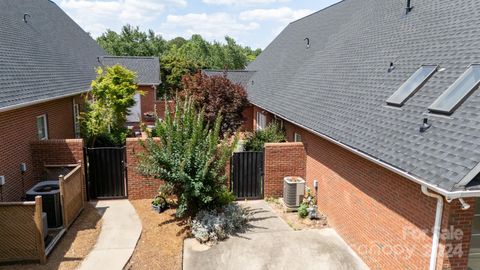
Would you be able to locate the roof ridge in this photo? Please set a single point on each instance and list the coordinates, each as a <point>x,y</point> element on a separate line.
<point>133,57</point>
<point>229,70</point>
<point>327,7</point>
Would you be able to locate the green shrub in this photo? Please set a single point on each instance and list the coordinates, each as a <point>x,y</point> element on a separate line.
<point>302,210</point>
<point>191,158</point>
<point>273,133</point>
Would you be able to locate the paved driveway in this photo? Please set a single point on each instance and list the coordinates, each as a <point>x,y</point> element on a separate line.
<point>271,244</point>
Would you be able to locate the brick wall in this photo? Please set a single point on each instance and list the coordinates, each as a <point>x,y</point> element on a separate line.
<point>281,160</point>
<point>18,128</point>
<point>160,106</point>
<point>138,187</point>
<point>456,246</point>
<point>384,217</point>
<point>56,152</point>
<point>147,100</point>
<point>248,119</point>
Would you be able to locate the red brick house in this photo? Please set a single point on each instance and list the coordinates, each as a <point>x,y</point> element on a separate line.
<point>46,63</point>
<point>384,98</point>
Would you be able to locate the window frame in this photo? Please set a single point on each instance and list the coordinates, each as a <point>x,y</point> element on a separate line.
<point>451,89</point>
<point>76,119</point>
<point>261,122</point>
<point>415,89</point>
<point>296,137</point>
<point>45,127</point>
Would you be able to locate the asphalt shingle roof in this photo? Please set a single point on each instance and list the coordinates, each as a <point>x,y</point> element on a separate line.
<point>147,68</point>
<point>49,56</point>
<point>241,77</point>
<point>339,85</point>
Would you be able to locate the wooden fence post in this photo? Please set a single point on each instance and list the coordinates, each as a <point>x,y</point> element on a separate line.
<point>39,224</point>
<point>61,178</point>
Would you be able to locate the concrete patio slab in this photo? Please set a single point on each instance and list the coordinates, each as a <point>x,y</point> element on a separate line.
<point>272,244</point>
<point>121,230</point>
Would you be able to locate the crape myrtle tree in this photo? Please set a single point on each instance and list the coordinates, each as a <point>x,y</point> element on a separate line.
<point>108,103</point>
<point>217,94</point>
<point>190,157</point>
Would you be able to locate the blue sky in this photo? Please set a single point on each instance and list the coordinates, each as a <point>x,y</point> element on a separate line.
<point>251,22</point>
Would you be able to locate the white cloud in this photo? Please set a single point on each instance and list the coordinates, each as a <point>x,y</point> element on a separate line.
<point>212,26</point>
<point>96,16</point>
<point>283,14</point>
<point>242,2</point>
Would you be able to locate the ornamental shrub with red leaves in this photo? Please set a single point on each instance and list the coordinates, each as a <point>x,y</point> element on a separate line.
<point>217,94</point>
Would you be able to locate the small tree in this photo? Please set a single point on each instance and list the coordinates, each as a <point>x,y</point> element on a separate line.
<point>217,94</point>
<point>190,158</point>
<point>273,133</point>
<point>112,94</point>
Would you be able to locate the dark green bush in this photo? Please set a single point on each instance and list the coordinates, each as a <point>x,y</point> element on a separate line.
<point>302,210</point>
<point>273,133</point>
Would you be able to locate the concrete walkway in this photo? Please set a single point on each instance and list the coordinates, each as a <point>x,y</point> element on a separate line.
<point>121,229</point>
<point>271,244</point>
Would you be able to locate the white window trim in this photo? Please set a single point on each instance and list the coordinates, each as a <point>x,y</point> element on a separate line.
<point>261,121</point>
<point>76,119</point>
<point>296,136</point>
<point>45,126</point>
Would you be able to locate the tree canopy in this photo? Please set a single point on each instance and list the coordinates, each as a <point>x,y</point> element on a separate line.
<point>178,56</point>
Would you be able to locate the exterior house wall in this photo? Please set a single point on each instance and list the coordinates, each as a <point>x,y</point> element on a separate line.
<point>18,128</point>
<point>384,217</point>
<point>147,101</point>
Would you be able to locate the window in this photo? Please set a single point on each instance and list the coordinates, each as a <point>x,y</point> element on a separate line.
<point>297,137</point>
<point>457,92</point>
<point>76,119</point>
<point>42,127</point>
<point>411,86</point>
<point>261,121</point>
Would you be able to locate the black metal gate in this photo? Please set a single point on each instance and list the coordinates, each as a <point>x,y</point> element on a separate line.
<point>247,175</point>
<point>106,172</point>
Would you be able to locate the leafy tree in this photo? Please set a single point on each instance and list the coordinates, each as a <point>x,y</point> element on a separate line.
<point>217,94</point>
<point>190,158</point>
<point>179,56</point>
<point>112,94</point>
<point>272,133</point>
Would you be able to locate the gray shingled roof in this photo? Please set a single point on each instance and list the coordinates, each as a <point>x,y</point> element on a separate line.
<point>338,86</point>
<point>49,56</point>
<point>147,68</point>
<point>241,77</point>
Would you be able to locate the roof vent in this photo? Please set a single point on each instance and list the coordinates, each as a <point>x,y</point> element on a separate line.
<point>25,17</point>
<point>409,7</point>
<point>307,40</point>
<point>391,67</point>
<point>425,125</point>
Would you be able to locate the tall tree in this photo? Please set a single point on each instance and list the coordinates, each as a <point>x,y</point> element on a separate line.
<point>178,56</point>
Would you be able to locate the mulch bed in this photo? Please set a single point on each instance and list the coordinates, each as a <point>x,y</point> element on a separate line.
<point>293,220</point>
<point>161,243</point>
<point>74,245</point>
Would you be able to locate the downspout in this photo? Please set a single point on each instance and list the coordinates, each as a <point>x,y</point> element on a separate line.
<point>436,228</point>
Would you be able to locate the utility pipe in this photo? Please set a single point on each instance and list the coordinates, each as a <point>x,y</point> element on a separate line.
<point>436,227</point>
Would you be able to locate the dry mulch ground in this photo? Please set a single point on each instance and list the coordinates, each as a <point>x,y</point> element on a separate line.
<point>74,245</point>
<point>292,218</point>
<point>161,243</point>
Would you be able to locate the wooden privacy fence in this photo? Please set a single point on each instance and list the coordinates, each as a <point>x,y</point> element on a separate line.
<point>21,231</point>
<point>71,192</point>
<point>21,225</point>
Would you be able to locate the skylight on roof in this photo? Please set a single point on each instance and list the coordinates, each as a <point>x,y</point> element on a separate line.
<point>411,85</point>
<point>457,92</point>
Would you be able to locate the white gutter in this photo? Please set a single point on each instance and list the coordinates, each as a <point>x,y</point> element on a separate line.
<point>26,104</point>
<point>450,195</point>
<point>436,227</point>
